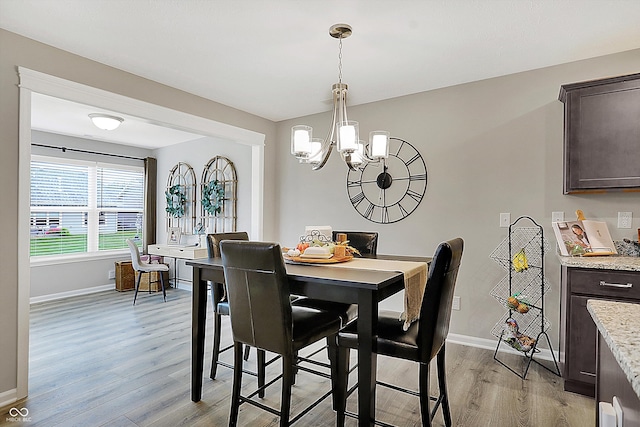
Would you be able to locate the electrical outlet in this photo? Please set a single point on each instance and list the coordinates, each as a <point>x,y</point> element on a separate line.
<point>111,274</point>
<point>455,305</point>
<point>505,219</point>
<point>624,219</point>
<point>557,216</point>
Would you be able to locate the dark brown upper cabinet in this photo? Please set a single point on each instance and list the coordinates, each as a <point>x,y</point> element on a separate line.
<point>602,135</point>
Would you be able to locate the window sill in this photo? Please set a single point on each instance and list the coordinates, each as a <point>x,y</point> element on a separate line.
<point>82,257</point>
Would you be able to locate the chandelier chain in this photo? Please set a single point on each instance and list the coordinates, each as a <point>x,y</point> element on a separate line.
<point>340,60</point>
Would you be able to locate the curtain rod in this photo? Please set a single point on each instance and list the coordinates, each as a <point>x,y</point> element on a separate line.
<point>65,149</point>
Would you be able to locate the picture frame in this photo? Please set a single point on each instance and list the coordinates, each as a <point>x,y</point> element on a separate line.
<point>173,236</point>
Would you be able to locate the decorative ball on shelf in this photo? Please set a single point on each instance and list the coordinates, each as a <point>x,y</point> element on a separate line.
<point>176,200</point>
<point>213,197</point>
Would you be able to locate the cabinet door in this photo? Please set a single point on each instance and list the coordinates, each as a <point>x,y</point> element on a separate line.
<point>581,352</point>
<point>602,132</point>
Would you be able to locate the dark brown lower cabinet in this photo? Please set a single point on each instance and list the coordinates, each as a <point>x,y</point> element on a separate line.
<point>612,381</point>
<point>578,333</point>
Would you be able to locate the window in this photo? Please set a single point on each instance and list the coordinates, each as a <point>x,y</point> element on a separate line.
<point>80,206</point>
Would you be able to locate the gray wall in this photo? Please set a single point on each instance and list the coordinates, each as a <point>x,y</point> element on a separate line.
<point>19,51</point>
<point>490,146</point>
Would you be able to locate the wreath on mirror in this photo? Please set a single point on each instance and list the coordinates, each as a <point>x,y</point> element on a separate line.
<point>176,199</point>
<point>213,197</point>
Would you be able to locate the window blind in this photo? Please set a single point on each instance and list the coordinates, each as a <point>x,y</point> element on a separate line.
<point>80,206</point>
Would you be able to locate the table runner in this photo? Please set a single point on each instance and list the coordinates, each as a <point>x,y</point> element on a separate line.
<point>415,280</point>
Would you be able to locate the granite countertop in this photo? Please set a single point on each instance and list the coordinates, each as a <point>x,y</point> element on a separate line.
<point>628,263</point>
<point>618,323</point>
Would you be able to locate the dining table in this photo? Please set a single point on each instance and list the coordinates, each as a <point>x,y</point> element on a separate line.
<point>364,287</point>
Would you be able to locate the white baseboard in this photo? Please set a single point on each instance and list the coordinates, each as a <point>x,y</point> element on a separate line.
<point>8,397</point>
<point>488,344</point>
<point>86,291</point>
<point>184,285</point>
<point>76,292</point>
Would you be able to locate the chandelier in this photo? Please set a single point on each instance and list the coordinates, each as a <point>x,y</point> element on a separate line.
<point>343,133</point>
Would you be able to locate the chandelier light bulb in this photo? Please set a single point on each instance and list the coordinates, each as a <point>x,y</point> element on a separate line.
<point>379,144</point>
<point>315,155</point>
<point>301,141</point>
<point>348,137</point>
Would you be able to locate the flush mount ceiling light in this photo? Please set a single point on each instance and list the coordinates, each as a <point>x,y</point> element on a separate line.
<point>105,121</point>
<point>343,133</point>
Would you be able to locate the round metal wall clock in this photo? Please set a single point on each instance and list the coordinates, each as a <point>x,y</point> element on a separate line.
<point>389,190</point>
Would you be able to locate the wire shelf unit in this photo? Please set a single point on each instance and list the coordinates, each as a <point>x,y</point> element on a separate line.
<point>522,292</point>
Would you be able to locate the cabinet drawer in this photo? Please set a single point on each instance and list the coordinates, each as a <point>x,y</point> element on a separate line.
<point>606,283</point>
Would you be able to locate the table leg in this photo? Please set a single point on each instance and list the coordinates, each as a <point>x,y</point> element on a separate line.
<point>367,358</point>
<point>198,327</point>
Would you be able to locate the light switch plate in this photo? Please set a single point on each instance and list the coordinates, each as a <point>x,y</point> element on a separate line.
<point>557,216</point>
<point>624,219</point>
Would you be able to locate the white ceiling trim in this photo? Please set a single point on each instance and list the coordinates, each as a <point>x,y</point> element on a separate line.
<point>155,114</point>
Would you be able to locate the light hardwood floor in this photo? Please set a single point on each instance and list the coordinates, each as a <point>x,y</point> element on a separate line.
<point>99,361</point>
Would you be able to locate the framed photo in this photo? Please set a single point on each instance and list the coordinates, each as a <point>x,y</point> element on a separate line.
<point>173,237</point>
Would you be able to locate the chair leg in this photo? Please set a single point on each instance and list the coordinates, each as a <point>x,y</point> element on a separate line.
<point>135,295</point>
<point>442,385</point>
<point>261,370</point>
<point>295,367</point>
<point>425,413</point>
<point>237,384</point>
<point>164,293</point>
<point>217,331</point>
<point>287,382</point>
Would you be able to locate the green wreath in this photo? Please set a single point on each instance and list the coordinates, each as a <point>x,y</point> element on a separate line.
<point>213,197</point>
<point>176,200</point>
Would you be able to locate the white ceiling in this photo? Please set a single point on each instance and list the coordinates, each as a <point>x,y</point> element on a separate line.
<point>275,59</point>
<point>64,117</point>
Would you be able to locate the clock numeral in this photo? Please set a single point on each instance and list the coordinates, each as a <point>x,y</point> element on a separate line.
<point>354,183</point>
<point>413,159</point>
<point>415,196</point>
<point>385,215</point>
<point>403,210</point>
<point>399,148</point>
<point>420,177</point>
<point>355,200</point>
<point>369,212</point>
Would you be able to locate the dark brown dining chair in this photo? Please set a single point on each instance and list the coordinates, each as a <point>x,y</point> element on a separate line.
<point>424,340</point>
<point>219,300</point>
<point>262,316</point>
<point>366,242</point>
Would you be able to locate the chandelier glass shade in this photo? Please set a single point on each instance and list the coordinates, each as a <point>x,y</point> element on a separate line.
<point>343,133</point>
